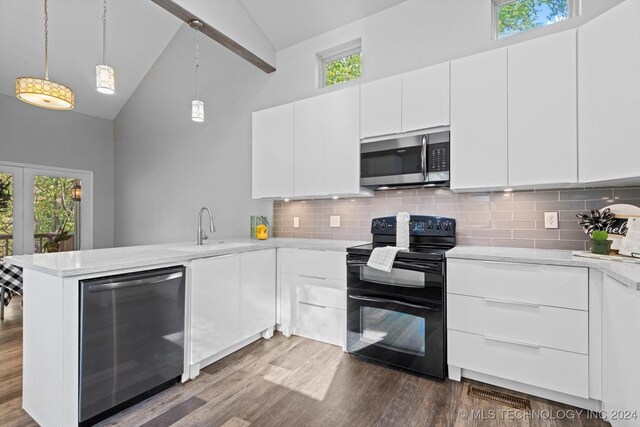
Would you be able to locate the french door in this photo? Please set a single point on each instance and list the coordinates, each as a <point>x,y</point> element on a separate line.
<point>44,209</point>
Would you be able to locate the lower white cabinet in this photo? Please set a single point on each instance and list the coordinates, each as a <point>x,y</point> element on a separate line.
<point>621,353</point>
<point>313,294</point>
<point>232,298</point>
<point>525,323</point>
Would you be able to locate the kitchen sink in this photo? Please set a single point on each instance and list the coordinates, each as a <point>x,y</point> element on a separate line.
<point>211,246</point>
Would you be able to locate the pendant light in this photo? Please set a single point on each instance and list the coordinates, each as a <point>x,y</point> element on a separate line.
<point>105,77</point>
<point>44,92</point>
<point>197,106</point>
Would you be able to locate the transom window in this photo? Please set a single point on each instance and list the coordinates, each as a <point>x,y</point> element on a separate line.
<point>341,63</point>
<point>516,16</point>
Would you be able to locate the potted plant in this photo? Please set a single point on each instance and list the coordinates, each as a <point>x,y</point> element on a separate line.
<point>599,243</point>
<point>53,245</point>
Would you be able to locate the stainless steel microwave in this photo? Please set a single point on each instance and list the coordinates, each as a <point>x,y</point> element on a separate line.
<point>418,160</point>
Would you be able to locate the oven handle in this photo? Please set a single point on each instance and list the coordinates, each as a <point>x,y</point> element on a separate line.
<point>373,299</point>
<point>405,265</point>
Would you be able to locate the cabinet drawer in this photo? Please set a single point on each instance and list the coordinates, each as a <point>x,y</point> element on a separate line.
<point>322,296</point>
<point>551,285</point>
<point>321,323</point>
<point>551,369</point>
<point>552,327</point>
<point>309,263</point>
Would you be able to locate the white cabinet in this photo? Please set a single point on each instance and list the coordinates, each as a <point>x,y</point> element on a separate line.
<point>313,294</point>
<point>479,121</point>
<point>215,305</point>
<point>425,98</point>
<point>272,155</point>
<point>542,111</point>
<point>381,107</point>
<point>232,298</point>
<point>609,94</point>
<point>527,323</point>
<point>257,291</point>
<point>327,147</point>
<point>621,347</point>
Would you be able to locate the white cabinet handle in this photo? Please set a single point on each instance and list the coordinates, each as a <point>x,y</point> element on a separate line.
<point>312,305</point>
<point>523,344</point>
<point>312,277</point>
<point>501,301</point>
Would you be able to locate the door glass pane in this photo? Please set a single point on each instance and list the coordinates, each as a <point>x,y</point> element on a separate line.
<point>6,214</point>
<point>393,330</point>
<point>56,218</point>
<point>398,161</point>
<point>396,277</point>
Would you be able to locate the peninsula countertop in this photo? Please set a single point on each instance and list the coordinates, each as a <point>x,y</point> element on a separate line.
<point>92,261</point>
<point>625,272</point>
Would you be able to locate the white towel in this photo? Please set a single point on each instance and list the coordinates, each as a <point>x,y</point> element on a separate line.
<point>382,258</point>
<point>402,229</point>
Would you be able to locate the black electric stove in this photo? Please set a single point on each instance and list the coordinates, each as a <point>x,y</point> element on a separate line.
<point>399,317</point>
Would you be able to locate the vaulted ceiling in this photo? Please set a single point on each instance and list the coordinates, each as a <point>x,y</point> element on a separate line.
<point>138,31</point>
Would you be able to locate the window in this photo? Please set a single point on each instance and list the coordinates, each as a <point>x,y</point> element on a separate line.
<point>341,63</point>
<point>515,16</point>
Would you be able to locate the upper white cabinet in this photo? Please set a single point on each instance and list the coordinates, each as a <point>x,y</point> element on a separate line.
<point>609,94</point>
<point>425,98</point>
<point>479,121</point>
<point>272,155</point>
<point>381,107</point>
<point>327,146</point>
<point>542,111</point>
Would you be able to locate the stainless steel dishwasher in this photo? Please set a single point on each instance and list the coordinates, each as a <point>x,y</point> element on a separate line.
<point>131,339</point>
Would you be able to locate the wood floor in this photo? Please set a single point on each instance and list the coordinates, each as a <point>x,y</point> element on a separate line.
<point>292,382</point>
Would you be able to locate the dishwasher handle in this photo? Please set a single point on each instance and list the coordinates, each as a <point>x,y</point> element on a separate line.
<point>132,283</point>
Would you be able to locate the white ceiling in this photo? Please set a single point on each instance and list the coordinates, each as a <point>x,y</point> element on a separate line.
<point>137,33</point>
<point>287,22</point>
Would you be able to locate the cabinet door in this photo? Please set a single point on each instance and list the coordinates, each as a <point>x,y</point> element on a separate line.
<point>215,305</point>
<point>542,111</point>
<point>620,349</point>
<point>327,147</point>
<point>609,94</point>
<point>380,107</point>
<point>479,121</point>
<point>272,155</point>
<point>425,98</point>
<point>257,291</point>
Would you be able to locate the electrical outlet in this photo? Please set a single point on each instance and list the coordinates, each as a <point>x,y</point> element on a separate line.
<point>334,221</point>
<point>296,222</point>
<point>551,220</point>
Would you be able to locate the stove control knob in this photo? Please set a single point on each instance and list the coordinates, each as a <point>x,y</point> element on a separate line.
<point>430,225</point>
<point>383,224</point>
<point>447,226</point>
<point>438,226</point>
<point>376,225</point>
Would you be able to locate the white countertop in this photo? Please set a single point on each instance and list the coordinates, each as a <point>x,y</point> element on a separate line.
<point>79,263</point>
<point>626,273</point>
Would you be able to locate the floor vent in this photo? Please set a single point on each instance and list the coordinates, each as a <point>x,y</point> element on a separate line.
<point>497,397</point>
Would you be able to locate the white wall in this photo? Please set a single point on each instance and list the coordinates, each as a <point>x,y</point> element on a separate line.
<point>411,35</point>
<point>64,139</point>
<point>167,166</point>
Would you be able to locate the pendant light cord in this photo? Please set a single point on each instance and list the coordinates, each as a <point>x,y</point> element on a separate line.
<point>197,62</point>
<point>104,31</point>
<point>46,42</point>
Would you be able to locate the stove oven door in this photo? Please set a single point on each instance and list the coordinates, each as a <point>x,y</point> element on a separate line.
<point>408,278</point>
<point>396,330</point>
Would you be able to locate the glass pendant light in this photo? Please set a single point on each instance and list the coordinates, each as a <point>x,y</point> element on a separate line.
<point>44,92</point>
<point>105,77</point>
<point>197,106</point>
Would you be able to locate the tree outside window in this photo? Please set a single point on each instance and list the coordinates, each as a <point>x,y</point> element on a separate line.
<point>524,15</point>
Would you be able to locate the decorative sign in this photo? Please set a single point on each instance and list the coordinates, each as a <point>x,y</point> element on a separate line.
<point>620,224</point>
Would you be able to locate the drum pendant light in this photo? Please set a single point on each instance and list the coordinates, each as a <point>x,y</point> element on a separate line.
<point>44,92</point>
<point>197,106</point>
<point>105,76</point>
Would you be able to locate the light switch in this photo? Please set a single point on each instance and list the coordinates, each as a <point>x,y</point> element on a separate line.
<point>334,221</point>
<point>296,222</point>
<point>551,220</point>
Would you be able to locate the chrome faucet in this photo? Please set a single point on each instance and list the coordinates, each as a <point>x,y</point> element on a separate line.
<point>201,234</point>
